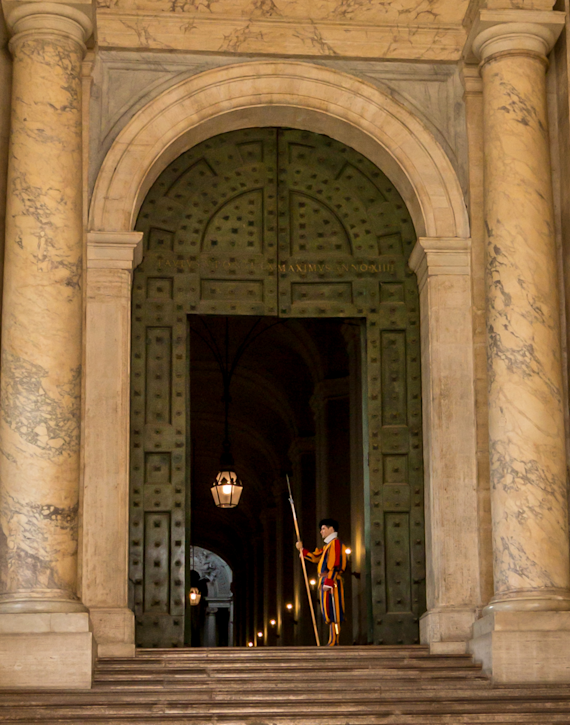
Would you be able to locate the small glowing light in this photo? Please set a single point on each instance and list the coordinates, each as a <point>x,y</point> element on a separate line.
<point>260,634</point>
<point>195,595</point>
<point>250,644</point>
<point>227,489</point>
<point>272,622</point>
<point>312,582</point>
<point>348,551</point>
<point>289,606</point>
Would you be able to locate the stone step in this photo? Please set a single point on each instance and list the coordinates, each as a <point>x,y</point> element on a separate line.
<point>309,719</point>
<point>213,710</point>
<point>237,684</point>
<point>148,664</point>
<point>277,670</point>
<point>385,650</point>
<point>298,674</point>
<point>286,653</point>
<point>398,691</point>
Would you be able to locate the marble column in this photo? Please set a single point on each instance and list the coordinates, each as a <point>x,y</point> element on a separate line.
<point>526,419</point>
<point>40,414</point>
<point>111,258</point>
<point>453,581</point>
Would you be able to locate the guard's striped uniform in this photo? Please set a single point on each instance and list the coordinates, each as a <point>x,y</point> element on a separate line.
<point>331,562</point>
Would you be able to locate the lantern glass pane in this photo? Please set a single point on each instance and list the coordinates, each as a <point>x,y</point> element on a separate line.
<point>226,489</point>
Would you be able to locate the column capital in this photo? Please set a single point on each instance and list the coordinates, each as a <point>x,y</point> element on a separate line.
<point>74,19</point>
<point>114,250</point>
<point>440,255</point>
<point>495,32</point>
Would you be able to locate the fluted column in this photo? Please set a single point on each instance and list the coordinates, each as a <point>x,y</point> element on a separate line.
<point>526,419</point>
<point>42,315</point>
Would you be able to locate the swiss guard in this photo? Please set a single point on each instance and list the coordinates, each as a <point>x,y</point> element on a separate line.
<point>331,560</point>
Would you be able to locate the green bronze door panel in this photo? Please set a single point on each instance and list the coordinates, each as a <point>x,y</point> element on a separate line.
<point>209,238</point>
<point>289,223</point>
<point>345,236</point>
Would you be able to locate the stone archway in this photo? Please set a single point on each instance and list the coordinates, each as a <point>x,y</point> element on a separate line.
<point>299,95</point>
<point>370,121</point>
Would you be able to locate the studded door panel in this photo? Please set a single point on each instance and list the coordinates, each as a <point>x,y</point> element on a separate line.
<point>344,239</point>
<point>209,240</point>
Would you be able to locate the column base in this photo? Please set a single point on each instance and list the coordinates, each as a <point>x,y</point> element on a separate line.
<point>114,631</point>
<point>46,650</point>
<point>447,631</point>
<point>523,647</point>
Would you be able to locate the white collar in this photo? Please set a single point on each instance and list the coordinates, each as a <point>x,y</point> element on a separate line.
<point>330,537</point>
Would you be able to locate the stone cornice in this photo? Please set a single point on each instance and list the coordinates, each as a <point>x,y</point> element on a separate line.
<point>72,19</point>
<point>433,256</point>
<point>513,31</point>
<point>114,250</point>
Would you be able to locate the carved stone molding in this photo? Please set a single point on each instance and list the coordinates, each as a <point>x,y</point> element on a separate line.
<point>72,19</point>
<point>513,31</point>
<point>272,93</point>
<point>433,256</point>
<point>114,250</point>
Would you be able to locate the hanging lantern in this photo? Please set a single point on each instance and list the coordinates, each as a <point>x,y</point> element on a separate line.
<point>194,596</point>
<point>227,488</point>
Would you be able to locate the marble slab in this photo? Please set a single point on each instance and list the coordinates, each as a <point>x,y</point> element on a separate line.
<point>406,29</point>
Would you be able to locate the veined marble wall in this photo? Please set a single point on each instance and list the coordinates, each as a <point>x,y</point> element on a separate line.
<point>430,29</point>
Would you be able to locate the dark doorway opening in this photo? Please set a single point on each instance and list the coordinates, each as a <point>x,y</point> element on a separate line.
<point>294,409</point>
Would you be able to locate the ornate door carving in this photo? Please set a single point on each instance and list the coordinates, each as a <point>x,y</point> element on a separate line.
<point>289,223</point>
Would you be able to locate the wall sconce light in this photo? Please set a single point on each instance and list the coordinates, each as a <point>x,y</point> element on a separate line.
<point>348,551</point>
<point>313,583</point>
<point>273,622</point>
<point>250,644</point>
<point>289,608</point>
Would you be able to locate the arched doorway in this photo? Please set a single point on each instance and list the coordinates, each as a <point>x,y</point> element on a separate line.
<point>212,619</point>
<point>291,224</point>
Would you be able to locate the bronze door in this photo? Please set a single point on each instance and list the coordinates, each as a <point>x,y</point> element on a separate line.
<point>283,223</point>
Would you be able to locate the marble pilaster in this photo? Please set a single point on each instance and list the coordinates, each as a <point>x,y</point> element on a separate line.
<point>111,258</point>
<point>453,591</point>
<point>473,96</point>
<point>526,420</point>
<point>41,336</point>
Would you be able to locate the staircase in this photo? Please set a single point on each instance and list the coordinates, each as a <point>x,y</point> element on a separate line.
<point>290,686</point>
